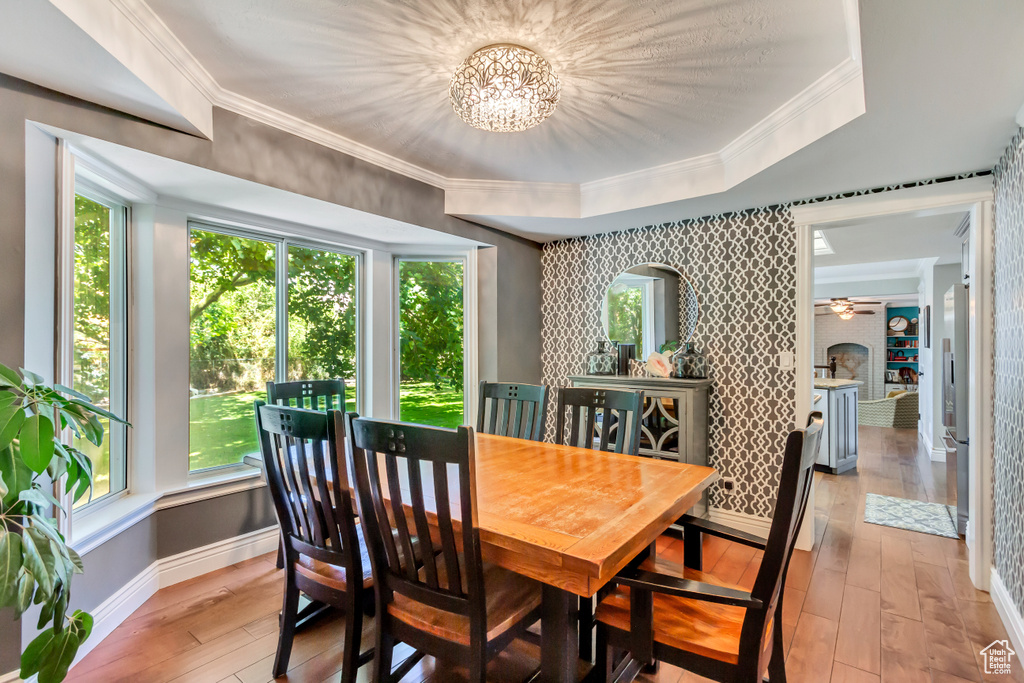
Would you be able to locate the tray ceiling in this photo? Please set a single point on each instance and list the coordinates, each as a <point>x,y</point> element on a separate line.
<point>644,83</point>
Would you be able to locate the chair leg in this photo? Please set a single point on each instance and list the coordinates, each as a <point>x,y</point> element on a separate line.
<point>586,619</point>
<point>353,639</point>
<point>478,666</point>
<point>384,649</point>
<point>289,617</point>
<point>777,664</point>
<point>280,554</point>
<point>604,666</point>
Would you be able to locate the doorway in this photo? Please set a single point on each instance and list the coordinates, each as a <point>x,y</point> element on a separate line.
<point>971,198</point>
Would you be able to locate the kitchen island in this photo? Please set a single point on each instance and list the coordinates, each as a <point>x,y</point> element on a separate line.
<point>838,406</point>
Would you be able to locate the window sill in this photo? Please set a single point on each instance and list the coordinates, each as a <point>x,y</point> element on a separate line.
<point>96,528</point>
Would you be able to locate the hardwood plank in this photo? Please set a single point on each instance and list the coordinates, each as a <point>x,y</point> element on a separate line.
<point>792,605</point>
<point>824,595</point>
<point>835,547</point>
<point>842,673</point>
<point>216,669</point>
<point>960,574</point>
<point>801,565</point>
<point>734,561</point>
<point>904,650</point>
<point>865,567</point>
<point>859,637</point>
<point>899,588</point>
<point>810,655</point>
<point>949,649</point>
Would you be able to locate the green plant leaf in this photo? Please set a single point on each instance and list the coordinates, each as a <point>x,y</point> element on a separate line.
<point>60,608</point>
<point>31,378</point>
<point>59,655</point>
<point>83,621</point>
<point>76,560</point>
<point>38,496</point>
<point>71,392</point>
<point>10,564</point>
<point>31,657</point>
<point>39,562</point>
<point>36,442</point>
<point>8,377</point>
<point>99,411</point>
<point>11,419</point>
<point>16,474</point>
<point>26,586</point>
<point>6,398</point>
<point>3,487</point>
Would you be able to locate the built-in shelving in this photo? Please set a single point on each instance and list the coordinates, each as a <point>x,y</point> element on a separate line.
<point>907,345</point>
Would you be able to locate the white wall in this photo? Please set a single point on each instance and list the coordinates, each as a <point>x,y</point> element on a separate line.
<point>866,330</point>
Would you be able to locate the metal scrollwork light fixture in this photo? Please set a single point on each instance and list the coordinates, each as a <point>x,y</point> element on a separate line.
<point>504,89</point>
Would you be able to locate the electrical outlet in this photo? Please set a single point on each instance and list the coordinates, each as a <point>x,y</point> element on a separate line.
<point>728,484</point>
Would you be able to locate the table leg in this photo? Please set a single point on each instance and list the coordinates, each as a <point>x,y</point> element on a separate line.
<point>560,644</point>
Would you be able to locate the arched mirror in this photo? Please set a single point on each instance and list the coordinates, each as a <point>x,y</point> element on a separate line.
<point>650,305</point>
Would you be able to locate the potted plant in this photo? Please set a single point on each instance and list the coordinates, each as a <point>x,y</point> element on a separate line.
<point>36,563</point>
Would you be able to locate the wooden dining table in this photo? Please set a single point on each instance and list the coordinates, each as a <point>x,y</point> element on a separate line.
<point>571,518</point>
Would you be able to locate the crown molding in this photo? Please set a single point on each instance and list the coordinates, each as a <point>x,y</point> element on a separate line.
<point>830,102</point>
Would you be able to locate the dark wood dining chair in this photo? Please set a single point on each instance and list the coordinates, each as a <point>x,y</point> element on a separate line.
<point>324,553</point>
<point>610,417</point>
<point>662,611</point>
<point>598,414</point>
<point>314,394</point>
<point>411,479</point>
<point>516,410</point>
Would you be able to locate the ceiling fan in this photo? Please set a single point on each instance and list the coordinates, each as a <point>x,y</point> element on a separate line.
<point>844,308</point>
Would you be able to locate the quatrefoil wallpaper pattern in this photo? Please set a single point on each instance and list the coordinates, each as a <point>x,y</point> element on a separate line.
<point>1008,475</point>
<point>742,267</point>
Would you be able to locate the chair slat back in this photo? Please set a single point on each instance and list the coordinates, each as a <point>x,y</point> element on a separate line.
<point>607,416</point>
<point>404,476</point>
<point>516,410</point>
<point>303,456</point>
<point>790,506</point>
<point>314,394</point>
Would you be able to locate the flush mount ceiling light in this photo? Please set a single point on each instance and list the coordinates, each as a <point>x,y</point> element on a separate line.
<point>847,314</point>
<point>504,89</point>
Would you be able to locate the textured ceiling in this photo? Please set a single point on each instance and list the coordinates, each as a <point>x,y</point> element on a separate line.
<point>894,238</point>
<point>645,82</point>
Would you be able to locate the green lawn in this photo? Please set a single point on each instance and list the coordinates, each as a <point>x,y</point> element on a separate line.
<point>422,403</point>
<point>222,428</point>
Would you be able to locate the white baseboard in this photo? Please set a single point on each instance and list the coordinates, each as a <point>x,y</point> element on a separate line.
<point>169,571</point>
<point>752,524</point>
<point>937,454</point>
<point>11,677</point>
<point>1007,610</point>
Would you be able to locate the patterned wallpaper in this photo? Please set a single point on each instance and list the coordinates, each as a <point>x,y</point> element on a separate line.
<point>742,267</point>
<point>1009,369</point>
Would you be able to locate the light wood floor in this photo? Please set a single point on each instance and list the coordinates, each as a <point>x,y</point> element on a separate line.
<point>869,604</point>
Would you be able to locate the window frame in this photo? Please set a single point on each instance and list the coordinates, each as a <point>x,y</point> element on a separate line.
<point>120,343</point>
<point>469,325</point>
<point>282,242</point>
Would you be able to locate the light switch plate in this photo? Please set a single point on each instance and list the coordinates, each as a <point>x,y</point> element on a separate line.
<point>786,360</point>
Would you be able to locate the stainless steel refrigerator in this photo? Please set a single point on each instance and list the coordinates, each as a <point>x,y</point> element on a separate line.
<point>956,393</point>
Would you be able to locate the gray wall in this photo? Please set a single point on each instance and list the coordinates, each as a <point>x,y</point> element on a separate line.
<point>1008,427</point>
<point>253,151</point>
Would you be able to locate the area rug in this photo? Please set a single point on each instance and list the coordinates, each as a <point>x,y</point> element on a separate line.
<point>913,515</point>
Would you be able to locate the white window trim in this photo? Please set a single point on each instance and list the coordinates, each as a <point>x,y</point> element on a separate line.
<point>77,178</point>
<point>470,337</point>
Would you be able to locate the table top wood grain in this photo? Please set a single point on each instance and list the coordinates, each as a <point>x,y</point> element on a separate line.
<point>573,517</point>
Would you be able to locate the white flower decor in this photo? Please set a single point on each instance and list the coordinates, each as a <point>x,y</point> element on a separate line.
<point>659,365</point>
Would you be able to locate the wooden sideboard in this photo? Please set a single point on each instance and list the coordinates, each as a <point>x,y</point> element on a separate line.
<point>675,417</point>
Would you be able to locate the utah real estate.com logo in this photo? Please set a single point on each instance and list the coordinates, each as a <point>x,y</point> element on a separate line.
<point>997,657</point>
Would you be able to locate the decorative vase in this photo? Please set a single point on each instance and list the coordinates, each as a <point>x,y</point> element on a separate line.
<point>627,352</point>
<point>690,364</point>
<point>604,361</point>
